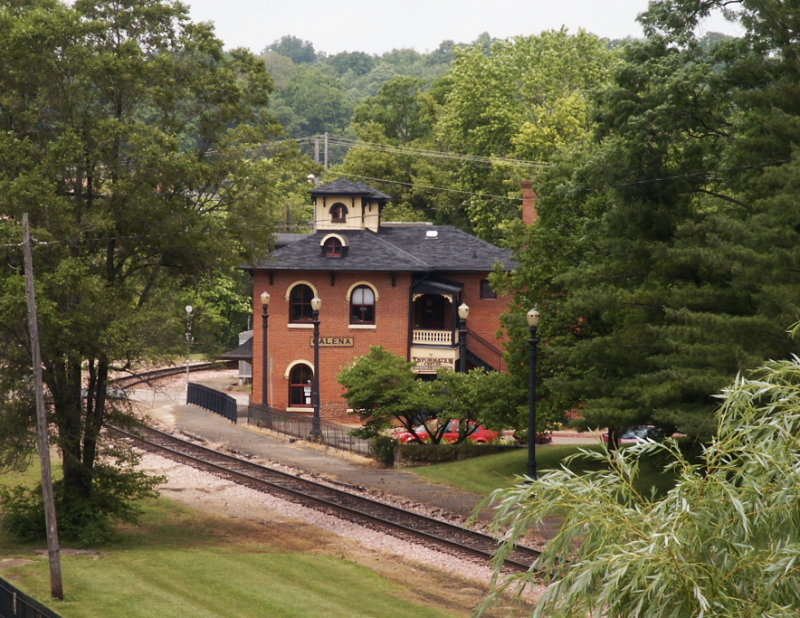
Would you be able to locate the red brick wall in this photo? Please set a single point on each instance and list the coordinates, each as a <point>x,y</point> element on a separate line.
<point>286,345</point>
<point>484,314</point>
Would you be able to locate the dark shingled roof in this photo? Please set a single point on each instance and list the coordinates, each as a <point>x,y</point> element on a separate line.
<point>342,186</point>
<point>242,353</point>
<point>397,247</point>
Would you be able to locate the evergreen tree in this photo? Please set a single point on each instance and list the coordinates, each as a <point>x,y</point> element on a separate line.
<point>678,266</point>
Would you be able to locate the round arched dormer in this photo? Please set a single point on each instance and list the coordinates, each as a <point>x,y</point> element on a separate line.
<point>334,246</point>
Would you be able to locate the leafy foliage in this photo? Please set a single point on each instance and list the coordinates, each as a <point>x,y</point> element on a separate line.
<point>661,260</point>
<point>381,389</point>
<point>724,541</point>
<point>493,398</point>
<point>126,137</point>
<point>117,489</point>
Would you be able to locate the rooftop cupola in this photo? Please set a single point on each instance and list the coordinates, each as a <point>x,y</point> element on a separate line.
<point>346,205</point>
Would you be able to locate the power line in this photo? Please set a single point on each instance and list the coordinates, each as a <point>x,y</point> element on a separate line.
<point>433,154</point>
<point>739,168</point>
<point>421,186</point>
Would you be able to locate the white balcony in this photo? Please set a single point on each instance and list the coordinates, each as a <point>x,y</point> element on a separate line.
<point>432,337</point>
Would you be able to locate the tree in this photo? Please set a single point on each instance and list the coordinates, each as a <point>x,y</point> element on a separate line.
<point>300,52</point>
<point>722,542</point>
<point>353,63</point>
<point>492,398</point>
<point>525,98</point>
<point>664,252</point>
<point>313,102</point>
<point>398,109</point>
<point>125,135</point>
<point>382,389</point>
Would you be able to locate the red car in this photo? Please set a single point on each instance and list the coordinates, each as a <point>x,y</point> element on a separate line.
<point>476,433</point>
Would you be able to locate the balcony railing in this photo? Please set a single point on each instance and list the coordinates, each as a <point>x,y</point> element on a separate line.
<point>432,337</point>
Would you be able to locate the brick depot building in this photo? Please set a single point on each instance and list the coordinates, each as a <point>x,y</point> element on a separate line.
<point>397,285</point>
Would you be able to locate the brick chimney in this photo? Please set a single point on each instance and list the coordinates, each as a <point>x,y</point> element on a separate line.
<point>529,212</point>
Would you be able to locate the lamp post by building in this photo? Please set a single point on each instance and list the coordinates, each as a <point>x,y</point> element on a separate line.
<point>533,324</point>
<point>264,360</point>
<point>463,314</point>
<point>189,339</point>
<point>316,432</point>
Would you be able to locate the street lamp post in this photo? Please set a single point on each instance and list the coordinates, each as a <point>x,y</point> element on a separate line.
<point>533,324</point>
<point>188,336</point>
<point>316,432</point>
<point>463,314</point>
<point>264,361</point>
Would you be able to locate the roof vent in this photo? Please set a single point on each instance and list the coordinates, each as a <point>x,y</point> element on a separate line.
<point>431,234</point>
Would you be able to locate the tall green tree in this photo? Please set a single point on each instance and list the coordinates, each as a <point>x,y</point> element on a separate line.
<point>521,99</point>
<point>676,237</point>
<point>124,134</point>
<point>301,52</point>
<point>313,102</point>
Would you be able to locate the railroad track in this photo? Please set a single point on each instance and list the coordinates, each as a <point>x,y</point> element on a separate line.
<point>164,372</point>
<point>343,504</point>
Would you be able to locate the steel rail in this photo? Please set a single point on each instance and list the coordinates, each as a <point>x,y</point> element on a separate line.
<point>329,499</point>
<point>157,374</point>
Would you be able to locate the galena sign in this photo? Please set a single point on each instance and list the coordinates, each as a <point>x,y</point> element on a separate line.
<point>333,342</point>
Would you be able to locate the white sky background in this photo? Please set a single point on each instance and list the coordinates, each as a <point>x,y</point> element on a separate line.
<point>375,27</point>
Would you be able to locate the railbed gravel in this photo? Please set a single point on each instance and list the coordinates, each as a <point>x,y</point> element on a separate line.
<point>205,490</point>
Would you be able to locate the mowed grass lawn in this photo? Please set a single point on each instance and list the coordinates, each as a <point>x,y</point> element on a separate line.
<point>482,475</point>
<point>183,562</point>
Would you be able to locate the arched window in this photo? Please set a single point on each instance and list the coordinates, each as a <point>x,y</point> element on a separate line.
<point>338,213</point>
<point>332,248</point>
<point>300,303</point>
<point>362,305</point>
<point>300,378</point>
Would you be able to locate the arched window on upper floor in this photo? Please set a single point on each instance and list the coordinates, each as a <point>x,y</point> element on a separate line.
<point>300,303</point>
<point>338,213</point>
<point>362,305</point>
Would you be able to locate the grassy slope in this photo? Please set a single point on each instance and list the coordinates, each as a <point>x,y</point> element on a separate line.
<point>182,562</point>
<point>484,474</point>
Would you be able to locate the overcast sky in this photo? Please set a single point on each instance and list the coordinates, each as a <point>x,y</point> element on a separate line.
<point>375,27</point>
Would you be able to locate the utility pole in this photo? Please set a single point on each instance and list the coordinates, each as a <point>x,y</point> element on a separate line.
<point>325,161</point>
<point>316,149</point>
<point>53,551</point>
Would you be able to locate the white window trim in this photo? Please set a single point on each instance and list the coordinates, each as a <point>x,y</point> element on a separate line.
<point>302,282</point>
<point>294,363</point>
<point>338,237</point>
<point>359,283</point>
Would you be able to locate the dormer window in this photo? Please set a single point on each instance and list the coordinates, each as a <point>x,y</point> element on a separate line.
<point>332,248</point>
<point>338,213</point>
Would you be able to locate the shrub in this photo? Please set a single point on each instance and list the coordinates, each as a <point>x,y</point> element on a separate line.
<point>382,449</point>
<point>88,522</point>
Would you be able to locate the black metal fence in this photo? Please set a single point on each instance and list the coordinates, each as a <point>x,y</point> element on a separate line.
<point>213,400</point>
<point>299,425</point>
<point>16,604</point>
